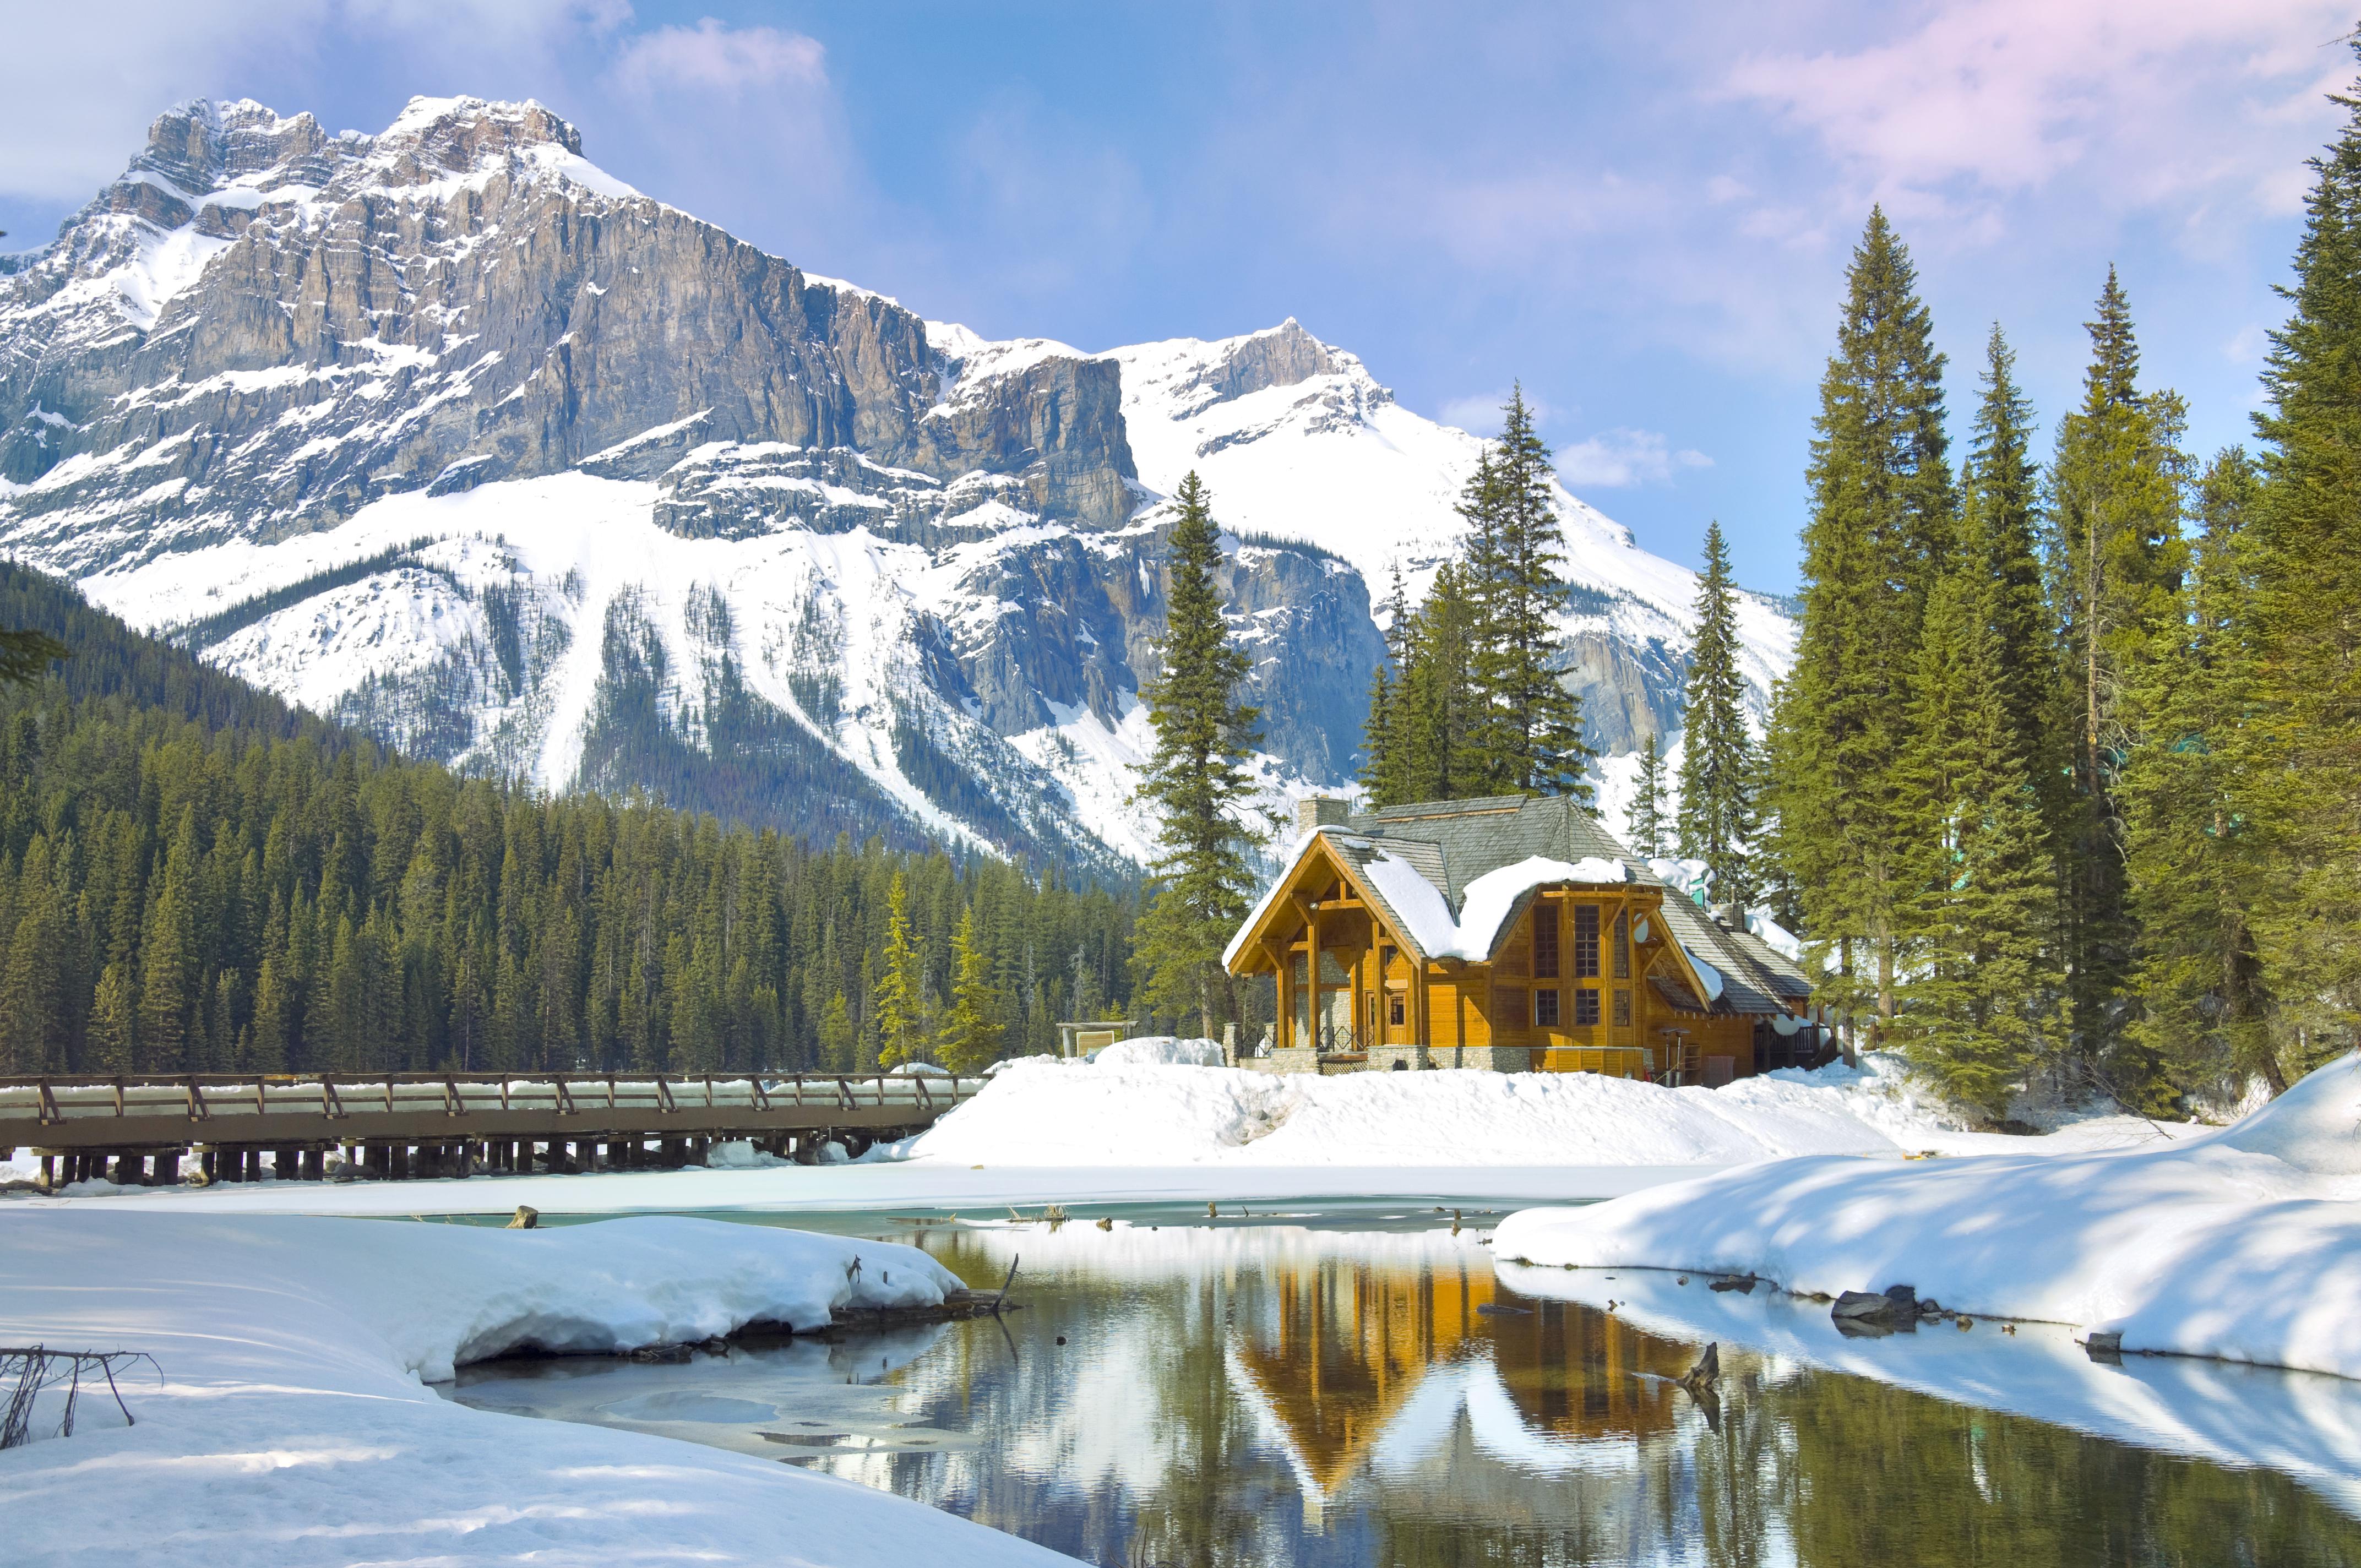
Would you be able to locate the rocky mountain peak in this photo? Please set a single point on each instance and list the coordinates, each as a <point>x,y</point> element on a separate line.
<point>432,137</point>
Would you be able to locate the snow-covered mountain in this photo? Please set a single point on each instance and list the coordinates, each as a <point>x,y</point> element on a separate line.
<point>449,432</point>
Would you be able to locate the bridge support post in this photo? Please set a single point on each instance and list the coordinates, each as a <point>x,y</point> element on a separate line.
<point>49,1171</point>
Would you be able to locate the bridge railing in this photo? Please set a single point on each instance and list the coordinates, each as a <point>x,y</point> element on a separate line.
<point>30,1105</point>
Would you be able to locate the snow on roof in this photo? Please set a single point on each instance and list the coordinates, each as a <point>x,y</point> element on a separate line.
<point>1707,976</point>
<point>1422,913</point>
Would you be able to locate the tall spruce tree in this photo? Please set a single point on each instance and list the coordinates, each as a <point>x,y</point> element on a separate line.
<point>1527,735</point>
<point>1196,781</point>
<point>1437,695</point>
<point>1385,744</point>
<point>2197,868</point>
<point>2305,619</point>
<point>2000,487</point>
<point>1650,818</point>
<point>971,1030</point>
<point>2117,559</point>
<point>1879,535</point>
<point>1981,999</point>
<point>1719,768</point>
<point>897,1003</point>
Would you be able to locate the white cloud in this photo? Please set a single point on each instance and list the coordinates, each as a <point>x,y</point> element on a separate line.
<point>712,58</point>
<point>2158,101</point>
<point>1480,412</point>
<point>1617,459</point>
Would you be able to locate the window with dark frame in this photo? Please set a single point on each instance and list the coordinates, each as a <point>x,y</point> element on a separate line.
<point>1622,1007</point>
<point>1396,1011</point>
<point>1586,942</point>
<point>1546,941</point>
<point>1623,946</point>
<point>1585,1005</point>
<point>1545,1008</point>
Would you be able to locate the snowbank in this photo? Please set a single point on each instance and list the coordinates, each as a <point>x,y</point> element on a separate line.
<point>1152,1050</point>
<point>1042,1116</point>
<point>290,1424</point>
<point>2242,1244</point>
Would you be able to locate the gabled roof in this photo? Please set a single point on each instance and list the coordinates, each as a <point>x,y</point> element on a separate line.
<point>1469,837</point>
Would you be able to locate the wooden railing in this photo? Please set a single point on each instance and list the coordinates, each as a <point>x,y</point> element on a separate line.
<point>287,1109</point>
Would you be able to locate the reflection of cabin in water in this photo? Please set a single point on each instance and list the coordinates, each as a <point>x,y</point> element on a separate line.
<point>1351,1343</point>
<point>1515,934</point>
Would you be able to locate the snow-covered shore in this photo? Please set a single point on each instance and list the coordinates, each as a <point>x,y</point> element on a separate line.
<point>290,1423</point>
<point>1048,1132</point>
<point>2243,1416</point>
<point>2242,1244</point>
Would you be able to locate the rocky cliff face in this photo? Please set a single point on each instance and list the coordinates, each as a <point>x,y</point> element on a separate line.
<point>449,432</point>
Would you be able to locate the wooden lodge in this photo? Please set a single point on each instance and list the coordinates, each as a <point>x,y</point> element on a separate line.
<point>1513,934</point>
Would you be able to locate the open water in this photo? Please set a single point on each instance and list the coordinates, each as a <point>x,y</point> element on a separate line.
<point>1361,1385</point>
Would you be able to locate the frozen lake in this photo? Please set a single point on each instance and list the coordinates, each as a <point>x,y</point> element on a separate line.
<point>1356,1384</point>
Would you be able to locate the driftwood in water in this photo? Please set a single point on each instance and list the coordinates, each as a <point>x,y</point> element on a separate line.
<point>1706,1372</point>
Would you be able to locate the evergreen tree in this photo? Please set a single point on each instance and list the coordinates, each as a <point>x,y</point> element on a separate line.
<point>1879,535</point>
<point>2304,739</point>
<point>1196,781</point>
<point>837,1035</point>
<point>1437,695</point>
<point>1383,735</point>
<point>1527,735</point>
<point>2197,869</point>
<point>1717,764</point>
<point>1982,1002</point>
<point>2117,560</point>
<point>969,1040</point>
<point>2001,527</point>
<point>1650,815</point>
<point>898,1004</point>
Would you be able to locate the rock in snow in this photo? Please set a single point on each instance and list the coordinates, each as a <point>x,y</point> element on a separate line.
<point>2242,1244</point>
<point>286,1420</point>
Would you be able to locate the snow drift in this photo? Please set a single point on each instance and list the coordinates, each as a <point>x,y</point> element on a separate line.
<point>1044,1115</point>
<point>2242,1244</point>
<point>1151,1050</point>
<point>290,1424</point>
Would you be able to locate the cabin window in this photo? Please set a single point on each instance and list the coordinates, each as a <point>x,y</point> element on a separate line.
<point>1385,960</point>
<point>1586,942</point>
<point>1623,948</point>
<point>1546,941</point>
<point>1586,1007</point>
<point>1545,1008</point>
<point>1622,1006</point>
<point>1395,1012</point>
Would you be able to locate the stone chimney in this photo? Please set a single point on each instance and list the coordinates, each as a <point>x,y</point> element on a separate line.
<point>1732,915</point>
<point>1320,811</point>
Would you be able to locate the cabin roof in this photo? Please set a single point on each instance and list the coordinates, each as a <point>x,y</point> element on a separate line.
<point>1469,837</point>
<point>1416,863</point>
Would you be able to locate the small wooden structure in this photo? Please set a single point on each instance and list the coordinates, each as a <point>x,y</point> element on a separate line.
<point>1511,933</point>
<point>1082,1037</point>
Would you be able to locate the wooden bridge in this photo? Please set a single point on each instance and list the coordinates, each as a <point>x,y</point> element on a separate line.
<point>139,1129</point>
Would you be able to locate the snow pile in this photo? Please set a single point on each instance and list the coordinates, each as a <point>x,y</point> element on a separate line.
<point>1888,1094</point>
<point>290,1424</point>
<point>1036,1115</point>
<point>1153,1050</point>
<point>2242,1244</point>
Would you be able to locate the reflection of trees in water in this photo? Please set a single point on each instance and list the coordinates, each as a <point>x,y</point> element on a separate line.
<point>1418,1430</point>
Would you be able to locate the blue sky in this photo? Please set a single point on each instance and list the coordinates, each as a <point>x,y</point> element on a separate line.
<point>1642,210</point>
